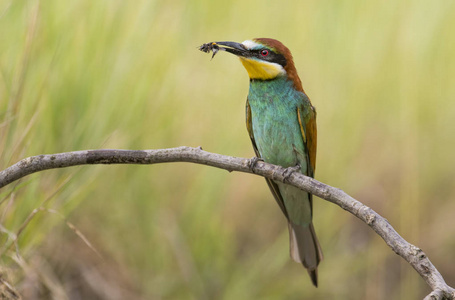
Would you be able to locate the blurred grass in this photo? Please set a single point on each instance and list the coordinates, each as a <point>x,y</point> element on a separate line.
<point>117,74</point>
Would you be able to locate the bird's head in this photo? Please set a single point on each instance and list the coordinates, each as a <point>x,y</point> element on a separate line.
<point>263,58</point>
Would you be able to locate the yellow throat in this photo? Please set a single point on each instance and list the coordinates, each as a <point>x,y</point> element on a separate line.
<point>263,70</point>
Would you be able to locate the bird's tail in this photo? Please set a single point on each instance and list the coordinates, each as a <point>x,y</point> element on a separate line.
<point>305,248</point>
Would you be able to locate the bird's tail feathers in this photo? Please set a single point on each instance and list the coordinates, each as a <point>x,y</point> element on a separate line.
<point>305,248</point>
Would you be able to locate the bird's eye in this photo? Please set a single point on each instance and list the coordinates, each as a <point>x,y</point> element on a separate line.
<point>265,52</point>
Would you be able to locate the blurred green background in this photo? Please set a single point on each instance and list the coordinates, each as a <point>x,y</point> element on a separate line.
<point>127,74</point>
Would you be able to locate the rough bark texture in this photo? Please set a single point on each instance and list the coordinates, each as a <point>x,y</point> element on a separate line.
<point>412,254</point>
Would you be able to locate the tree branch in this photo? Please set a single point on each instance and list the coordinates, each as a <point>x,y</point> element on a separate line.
<point>412,254</point>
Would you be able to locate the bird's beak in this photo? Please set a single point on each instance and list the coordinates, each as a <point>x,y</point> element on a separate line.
<point>234,48</point>
<point>231,47</point>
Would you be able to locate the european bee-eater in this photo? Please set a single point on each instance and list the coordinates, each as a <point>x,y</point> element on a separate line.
<point>281,122</point>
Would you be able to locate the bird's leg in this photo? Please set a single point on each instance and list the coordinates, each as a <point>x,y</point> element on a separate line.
<point>253,162</point>
<point>289,170</point>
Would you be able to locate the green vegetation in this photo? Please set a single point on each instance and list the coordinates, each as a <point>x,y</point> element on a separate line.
<point>127,74</point>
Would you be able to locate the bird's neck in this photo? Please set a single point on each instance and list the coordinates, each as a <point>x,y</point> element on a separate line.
<point>278,86</point>
<point>276,94</point>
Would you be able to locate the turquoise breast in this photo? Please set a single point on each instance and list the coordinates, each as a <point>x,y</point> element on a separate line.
<point>275,123</point>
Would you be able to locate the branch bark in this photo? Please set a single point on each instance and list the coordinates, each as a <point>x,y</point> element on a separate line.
<point>412,254</point>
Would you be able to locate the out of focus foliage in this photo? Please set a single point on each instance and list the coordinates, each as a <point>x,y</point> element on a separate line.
<point>127,74</point>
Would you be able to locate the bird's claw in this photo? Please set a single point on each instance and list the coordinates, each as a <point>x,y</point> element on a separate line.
<point>253,162</point>
<point>288,172</point>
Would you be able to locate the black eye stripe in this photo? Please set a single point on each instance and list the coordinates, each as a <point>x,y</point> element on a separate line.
<point>271,57</point>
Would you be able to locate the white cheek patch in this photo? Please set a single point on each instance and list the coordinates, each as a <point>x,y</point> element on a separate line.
<point>249,44</point>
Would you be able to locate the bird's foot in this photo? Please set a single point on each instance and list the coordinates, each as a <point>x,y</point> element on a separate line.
<point>288,172</point>
<point>253,162</point>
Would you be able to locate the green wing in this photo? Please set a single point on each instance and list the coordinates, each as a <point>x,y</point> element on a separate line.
<point>307,121</point>
<point>273,187</point>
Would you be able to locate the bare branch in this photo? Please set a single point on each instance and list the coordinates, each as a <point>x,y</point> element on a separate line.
<point>412,254</point>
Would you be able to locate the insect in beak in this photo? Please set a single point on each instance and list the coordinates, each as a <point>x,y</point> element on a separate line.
<point>210,47</point>
<point>235,48</point>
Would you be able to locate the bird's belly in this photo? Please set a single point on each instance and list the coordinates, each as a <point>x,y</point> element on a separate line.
<point>280,142</point>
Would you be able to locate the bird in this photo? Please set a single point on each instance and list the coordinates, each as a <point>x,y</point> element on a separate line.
<point>281,123</point>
